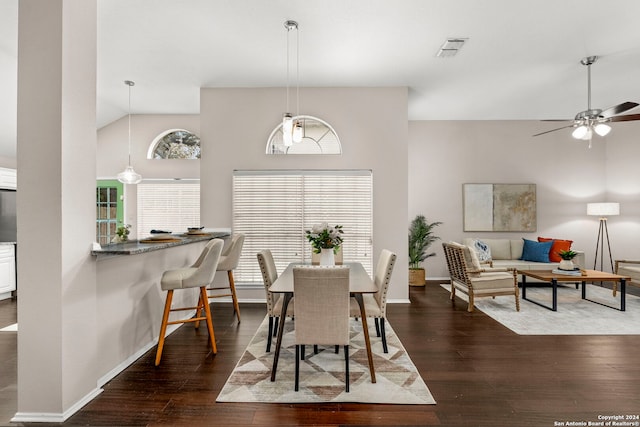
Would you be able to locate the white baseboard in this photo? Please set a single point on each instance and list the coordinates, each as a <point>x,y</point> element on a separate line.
<point>53,417</point>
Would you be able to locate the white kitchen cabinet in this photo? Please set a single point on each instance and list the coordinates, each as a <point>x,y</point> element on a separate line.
<point>8,178</point>
<point>7,271</point>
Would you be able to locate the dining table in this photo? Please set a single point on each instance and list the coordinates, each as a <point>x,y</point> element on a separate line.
<point>360,283</point>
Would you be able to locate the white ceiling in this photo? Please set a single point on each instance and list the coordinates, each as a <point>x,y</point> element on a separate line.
<point>521,60</point>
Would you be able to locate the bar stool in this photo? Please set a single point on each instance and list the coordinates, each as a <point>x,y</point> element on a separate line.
<point>228,262</point>
<point>199,275</point>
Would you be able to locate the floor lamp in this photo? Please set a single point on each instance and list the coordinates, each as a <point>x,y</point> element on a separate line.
<point>603,210</point>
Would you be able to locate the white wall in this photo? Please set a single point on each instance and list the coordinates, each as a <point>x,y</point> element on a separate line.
<point>445,154</point>
<point>372,126</point>
<point>8,162</point>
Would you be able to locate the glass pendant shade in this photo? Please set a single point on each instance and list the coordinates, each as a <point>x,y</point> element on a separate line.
<point>602,129</point>
<point>297,131</point>
<point>129,176</point>
<point>287,123</point>
<point>580,132</point>
<point>287,129</point>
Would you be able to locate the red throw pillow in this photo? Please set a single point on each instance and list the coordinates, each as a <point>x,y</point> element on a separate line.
<point>558,245</point>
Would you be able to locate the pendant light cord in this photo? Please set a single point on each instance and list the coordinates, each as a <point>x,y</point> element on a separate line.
<point>129,123</point>
<point>288,55</point>
<point>129,83</point>
<point>297,71</point>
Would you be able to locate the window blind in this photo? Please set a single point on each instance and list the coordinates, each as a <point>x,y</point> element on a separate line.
<point>274,208</point>
<point>168,205</point>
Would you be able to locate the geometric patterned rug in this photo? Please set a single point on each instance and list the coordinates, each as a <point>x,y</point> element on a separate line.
<point>322,374</point>
<point>575,316</point>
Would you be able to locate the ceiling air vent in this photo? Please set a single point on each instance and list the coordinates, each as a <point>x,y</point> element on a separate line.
<point>451,46</point>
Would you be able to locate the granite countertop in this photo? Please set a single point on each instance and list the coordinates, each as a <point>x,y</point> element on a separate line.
<point>134,247</point>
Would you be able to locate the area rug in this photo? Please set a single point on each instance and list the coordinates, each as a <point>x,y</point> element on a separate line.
<point>322,374</point>
<point>575,316</point>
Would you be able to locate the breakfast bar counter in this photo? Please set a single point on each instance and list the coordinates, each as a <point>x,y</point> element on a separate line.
<point>135,247</point>
<point>130,301</point>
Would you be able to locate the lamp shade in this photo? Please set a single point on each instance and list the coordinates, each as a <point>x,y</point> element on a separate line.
<point>603,209</point>
<point>129,176</point>
<point>580,132</point>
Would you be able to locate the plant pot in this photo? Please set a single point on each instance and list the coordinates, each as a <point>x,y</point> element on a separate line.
<point>566,264</point>
<point>417,277</point>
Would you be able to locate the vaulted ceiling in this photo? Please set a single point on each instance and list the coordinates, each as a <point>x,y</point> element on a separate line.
<point>522,59</point>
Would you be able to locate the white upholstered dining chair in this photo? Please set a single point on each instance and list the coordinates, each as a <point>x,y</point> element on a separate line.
<point>376,304</point>
<point>199,275</point>
<point>274,301</point>
<point>322,310</point>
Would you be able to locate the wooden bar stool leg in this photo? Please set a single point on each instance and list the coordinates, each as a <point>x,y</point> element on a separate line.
<point>207,311</point>
<point>163,327</point>
<point>232,285</point>
<point>199,311</point>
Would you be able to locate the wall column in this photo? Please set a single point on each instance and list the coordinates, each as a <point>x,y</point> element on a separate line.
<point>56,208</point>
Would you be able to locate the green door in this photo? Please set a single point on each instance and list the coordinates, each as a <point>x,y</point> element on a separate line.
<point>109,209</point>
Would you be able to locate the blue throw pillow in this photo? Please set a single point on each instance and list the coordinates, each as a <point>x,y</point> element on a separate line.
<point>536,251</point>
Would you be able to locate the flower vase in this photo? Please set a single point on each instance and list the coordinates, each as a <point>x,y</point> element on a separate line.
<point>326,257</point>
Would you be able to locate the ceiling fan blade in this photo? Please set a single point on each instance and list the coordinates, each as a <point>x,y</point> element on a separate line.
<point>617,109</point>
<point>625,118</point>
<point>553,130</point>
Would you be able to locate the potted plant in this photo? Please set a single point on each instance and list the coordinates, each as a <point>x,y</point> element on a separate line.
<point>325,240</point>
<point>567,260</point>
<point>122,233</point>
<point>420,238</point>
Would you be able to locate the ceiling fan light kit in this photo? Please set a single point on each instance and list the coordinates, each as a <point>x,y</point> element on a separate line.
<point>594,120</point>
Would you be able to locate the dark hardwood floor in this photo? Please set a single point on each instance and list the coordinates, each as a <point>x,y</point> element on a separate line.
<point>479,372</point>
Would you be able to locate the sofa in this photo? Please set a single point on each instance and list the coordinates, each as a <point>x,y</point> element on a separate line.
<point>507,253</point>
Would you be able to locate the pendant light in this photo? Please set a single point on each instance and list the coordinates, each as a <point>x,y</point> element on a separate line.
<point>129,176</point>
<point>292,129</point>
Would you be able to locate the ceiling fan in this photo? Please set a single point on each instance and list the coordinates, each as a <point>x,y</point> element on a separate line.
<point>595,120</point>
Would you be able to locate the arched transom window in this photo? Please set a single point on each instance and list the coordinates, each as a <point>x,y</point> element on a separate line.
<point>175,144</point>
<point>318,137</point>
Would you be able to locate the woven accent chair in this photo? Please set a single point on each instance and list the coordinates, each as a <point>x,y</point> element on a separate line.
<point>228,262</point>
<point>274,301</point>
<point>376,304</point>
<point>625,267</point>
<point>199,275</point>
<point>322,310</point>
<point>467,276</point>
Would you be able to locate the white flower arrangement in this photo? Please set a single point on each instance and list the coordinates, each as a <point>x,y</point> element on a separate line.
<point>322,236</point>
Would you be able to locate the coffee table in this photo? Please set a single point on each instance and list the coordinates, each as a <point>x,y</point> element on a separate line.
<point>587,276</point>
